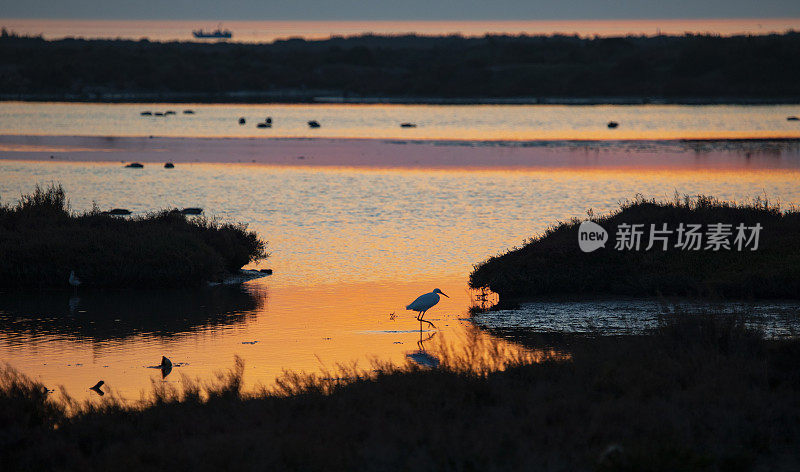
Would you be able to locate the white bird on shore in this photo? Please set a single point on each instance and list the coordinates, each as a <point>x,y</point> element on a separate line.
<point>424,302</point>
<point>74,280</point>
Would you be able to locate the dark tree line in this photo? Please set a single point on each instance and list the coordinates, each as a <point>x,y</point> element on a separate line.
<point>705,66</point>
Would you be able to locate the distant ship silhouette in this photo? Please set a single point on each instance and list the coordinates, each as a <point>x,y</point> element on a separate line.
<point>217,33</point>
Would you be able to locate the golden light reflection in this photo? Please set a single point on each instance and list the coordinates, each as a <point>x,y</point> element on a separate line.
<point>351,248</point>
<point>299,328</point>
<point>473,123</point>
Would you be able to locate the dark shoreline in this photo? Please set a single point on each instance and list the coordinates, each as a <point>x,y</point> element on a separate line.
<point>692,69</point>
<point>289,97</point>
<point>696,393</point>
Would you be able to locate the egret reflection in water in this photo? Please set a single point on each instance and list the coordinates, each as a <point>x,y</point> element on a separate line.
<point>421,357</point>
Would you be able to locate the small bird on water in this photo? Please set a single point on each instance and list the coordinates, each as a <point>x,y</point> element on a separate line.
<point>166,367</point>
<point>97,389</point>
<point>74,280</point>
<point>424,302</point>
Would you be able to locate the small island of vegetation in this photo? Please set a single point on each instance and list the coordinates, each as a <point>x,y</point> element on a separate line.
<point>42,241</point>
<point>554,264</point>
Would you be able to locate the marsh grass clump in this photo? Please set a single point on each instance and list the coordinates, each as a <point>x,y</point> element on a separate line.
<point>699,392</point>
<point>553,264</point>
<point>41,241</point>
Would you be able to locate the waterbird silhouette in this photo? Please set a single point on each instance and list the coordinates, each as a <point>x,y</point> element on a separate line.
<point>74,280</point>
<point>166,367</point>
<point>423,303</point>
<point>97,389</point>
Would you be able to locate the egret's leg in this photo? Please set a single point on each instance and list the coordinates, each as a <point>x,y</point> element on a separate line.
<point>426,321</point>
<point>423,314</point>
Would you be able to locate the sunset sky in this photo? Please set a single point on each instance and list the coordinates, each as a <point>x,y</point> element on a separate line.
<point>393,10</point>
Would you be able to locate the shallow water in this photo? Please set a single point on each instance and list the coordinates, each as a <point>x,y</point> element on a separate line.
<point>776,318</point>
<point>350,247</point>
<point>329,225</point>
<point>456,122</point>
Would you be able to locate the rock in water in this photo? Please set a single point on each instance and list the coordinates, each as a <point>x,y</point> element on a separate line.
<point>166,367</point>
<point>118,212</point>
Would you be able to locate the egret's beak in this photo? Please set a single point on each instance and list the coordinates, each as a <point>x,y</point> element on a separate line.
<point>444,294</point>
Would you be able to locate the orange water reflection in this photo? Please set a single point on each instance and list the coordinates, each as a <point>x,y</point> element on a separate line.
<point>382,121</point>
<point>302,328</point>
<point>350,247</point>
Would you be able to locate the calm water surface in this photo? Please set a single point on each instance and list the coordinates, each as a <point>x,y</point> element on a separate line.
<point>350,247</point>
<point>457,122</point>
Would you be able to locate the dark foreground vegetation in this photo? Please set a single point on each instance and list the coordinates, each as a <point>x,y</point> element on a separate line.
<point>41,241</point>
<point>699,393</point>
<point>672,68</point>
<point>553,264</point>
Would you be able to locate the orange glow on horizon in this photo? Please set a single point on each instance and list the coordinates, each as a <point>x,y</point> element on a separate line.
<point>263,31</point>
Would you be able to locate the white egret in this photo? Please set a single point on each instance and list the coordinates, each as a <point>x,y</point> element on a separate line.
<point>424,302</point>
<point>74,280</point>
